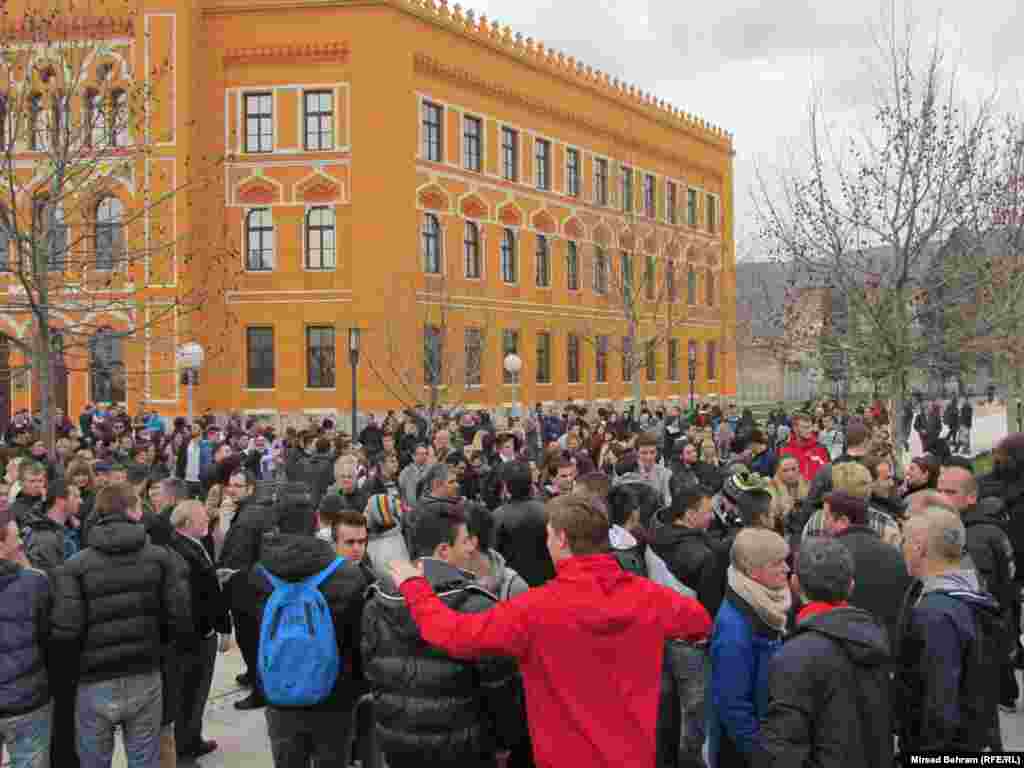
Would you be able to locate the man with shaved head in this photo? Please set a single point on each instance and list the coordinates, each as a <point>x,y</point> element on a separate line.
<point>950,633</point>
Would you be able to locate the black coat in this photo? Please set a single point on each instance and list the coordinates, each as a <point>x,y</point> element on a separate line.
<point>244,538</point>
<point>689,554</point>
<point>992,553</point>
<point>880,578</point>
<point>521,536</point>
<point>120,600</point>
<point>318,472</point>
<point>24,632</point>
<point>429,708</point>
<point>295,558</point>
<point>828,696</point>
<point>209,603</point>
<point>1011,491</point>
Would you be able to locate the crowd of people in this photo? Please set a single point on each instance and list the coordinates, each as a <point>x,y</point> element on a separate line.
<point>579,586</point>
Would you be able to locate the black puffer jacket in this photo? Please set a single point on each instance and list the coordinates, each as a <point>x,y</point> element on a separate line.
<point>26,508</point>
<point>688,553</point>
<point>989,547</point>
<point>24,631</point>
<point>1011,490</point>
<point>828,695</point>
<point>44,543</point>
<point>294,558</point>
<point>121,599</point>
<point>431,709</point>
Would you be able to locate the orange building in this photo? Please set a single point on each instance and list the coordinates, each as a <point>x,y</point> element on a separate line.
<point>451,189</point>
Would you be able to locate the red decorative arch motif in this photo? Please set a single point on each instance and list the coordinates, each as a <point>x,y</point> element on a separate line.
<point>543,222</point>
<point>474,208</point>
<point>258,192</point>
<point>510,215</point>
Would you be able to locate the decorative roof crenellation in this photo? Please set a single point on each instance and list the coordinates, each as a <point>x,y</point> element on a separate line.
<point>568,66</point>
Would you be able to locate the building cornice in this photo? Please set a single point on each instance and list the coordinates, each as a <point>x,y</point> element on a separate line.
<point>312,51</point>
<point>71,28</point>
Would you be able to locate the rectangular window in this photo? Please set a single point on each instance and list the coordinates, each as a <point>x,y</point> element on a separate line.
<point>691,359</point>
<point>472,143</point>
<point>691,286</point>
<point>319,109</point>
<point>320,357</point>
<point>691,207</point>
<point>543,262</point>
<point>712,352</point>
<point>433,354</point>
<point>433,115</point>
<point>709,287</point>
<point>650,275</point>
<point>627,189</point>
<point>543,357</point>
<point>572,358</point>
<point>670,203</point>
<point>671,284</point>
<point>572,266</point>
<point>542,155</point>
<point>600,270</point>
<point>572,172</point>
<point>509,346</point>
<point>509,270</point>
<point>600,181</point>
<point>474,357</point>
<point>627,276</point>
<point>627,358</point>
<point>649,196</point>
<point>601,360</point>
<point>471,247</point>
<point>673,359</point>
<point>259,344</point>
<point>510,154</point>
<point>259,122</point>
<point>651,360</point>
<point>711,212</point>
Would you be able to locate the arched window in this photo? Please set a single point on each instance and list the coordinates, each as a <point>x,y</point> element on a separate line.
<point>508,256</point>
<point>320,238</point>
<point>431,244</point>
<point>51,233</point>
<point>259,239</point>
<point>95,128</point>
<point>109,234</point>
<point>710,288</point>
<point>691,285</point>
<point>472,249</point>
<point>39,128</point>
<point>106,367</point>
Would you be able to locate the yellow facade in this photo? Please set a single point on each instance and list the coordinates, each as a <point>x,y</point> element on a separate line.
<point>327,112</point>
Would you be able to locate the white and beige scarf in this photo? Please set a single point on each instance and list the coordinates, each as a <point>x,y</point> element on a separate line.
<point>772,605</point>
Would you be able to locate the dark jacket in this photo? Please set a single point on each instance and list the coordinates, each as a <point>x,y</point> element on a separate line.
<point>318,471</point>
<point>431,709</point>
<point>43,539</point>
<point>989,547</point>
<point>242,542</point>
<point>521,536</point>
<point>158,526</point>
<point>828,695</point>
<point>26,508</point>
<point>688,553</point>
<point>120,600</point>
<point>295,558</point>
<point>24,632</point>
<point>209,603</point>
<point>880,578</point>
<point>948,681</point>
<point>1011,491</point>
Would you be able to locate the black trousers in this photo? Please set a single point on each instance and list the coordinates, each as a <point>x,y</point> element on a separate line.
<point>63,751</point>
<point>247,627</point>
<point>196,680</point>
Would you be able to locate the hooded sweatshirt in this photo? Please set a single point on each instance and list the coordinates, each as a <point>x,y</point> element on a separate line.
<point>809,453</point>
<point>606,700</point>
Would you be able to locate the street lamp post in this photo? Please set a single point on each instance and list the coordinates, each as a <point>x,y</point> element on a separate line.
<point>693,372</point>
<point>514,364</point>
<point>190,360</point>
<point>353,359</point>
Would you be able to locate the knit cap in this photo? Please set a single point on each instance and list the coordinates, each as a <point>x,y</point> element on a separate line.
<point>758,547</point>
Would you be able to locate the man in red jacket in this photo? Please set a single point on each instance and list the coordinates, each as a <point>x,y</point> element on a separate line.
<point>805,448</point>
<point>589,643</point>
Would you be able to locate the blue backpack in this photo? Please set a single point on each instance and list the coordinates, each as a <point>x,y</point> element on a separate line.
<point>299,661</point>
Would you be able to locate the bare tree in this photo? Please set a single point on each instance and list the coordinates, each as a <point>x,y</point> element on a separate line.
<point>85,222</point>
<point>869,214</point>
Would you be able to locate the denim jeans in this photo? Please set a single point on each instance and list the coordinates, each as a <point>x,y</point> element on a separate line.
<point>301,737</point>
<point>27,738</point>
<point>133,702</point>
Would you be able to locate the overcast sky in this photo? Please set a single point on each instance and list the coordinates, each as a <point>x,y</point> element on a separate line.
<point>749,66</point>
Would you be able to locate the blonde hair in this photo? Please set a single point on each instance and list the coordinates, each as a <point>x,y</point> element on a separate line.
<point>852,478</point>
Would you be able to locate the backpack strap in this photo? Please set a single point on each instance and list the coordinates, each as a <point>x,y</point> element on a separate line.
<point>317,579</point>
<point>275,582</point>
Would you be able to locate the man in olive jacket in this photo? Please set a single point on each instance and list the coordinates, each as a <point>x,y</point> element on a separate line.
<point>114,603</point>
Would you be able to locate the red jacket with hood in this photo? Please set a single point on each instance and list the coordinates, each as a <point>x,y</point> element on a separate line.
<point>589,644</point>
<point>810,453</point>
